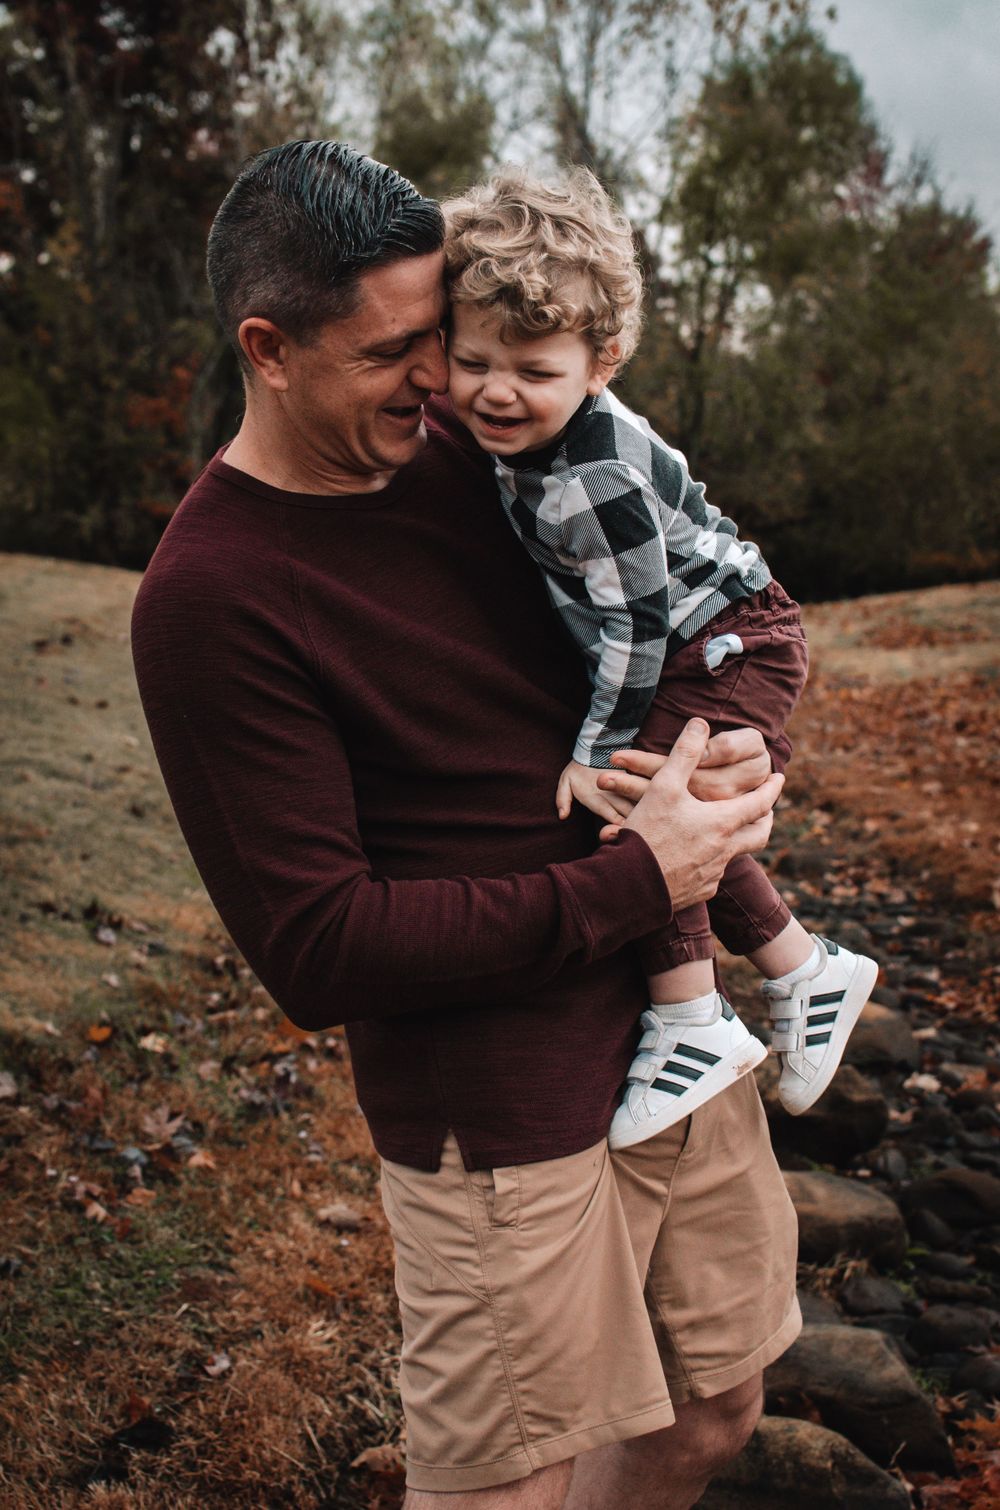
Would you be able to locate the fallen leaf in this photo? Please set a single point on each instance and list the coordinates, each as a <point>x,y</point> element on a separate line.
<point>201,1160</point>
<point>140,1196</point>
<point>99,1032</point>
<point>8,1085</point>
<point>929,1083</point>
<point>320,1287</point>
<point>136,1407</point>
<point>95,1212</point>
<point>288,1029</point>
<point>386,1458</point>
<point>218,1364</point>
<point>156,1043</point>
<point>208,1070</point>
<point>340,1216</point>
<point>111,979</point>
<point>160,1126</point>
<point>105,935</point>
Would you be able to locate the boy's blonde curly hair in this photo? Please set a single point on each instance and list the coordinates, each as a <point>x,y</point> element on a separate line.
<point>547,257</point>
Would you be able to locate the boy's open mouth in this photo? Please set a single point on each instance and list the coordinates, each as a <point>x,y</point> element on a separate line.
<point>497,422</point>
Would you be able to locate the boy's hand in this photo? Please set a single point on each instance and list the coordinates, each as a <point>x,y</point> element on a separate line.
<point>580,782</point>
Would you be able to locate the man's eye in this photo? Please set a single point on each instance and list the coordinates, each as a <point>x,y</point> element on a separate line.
<point>393,356</point>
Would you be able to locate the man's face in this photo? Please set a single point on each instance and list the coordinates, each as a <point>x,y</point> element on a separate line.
<point>355,394</point>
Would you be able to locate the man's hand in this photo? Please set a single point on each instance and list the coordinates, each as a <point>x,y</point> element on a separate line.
<point>733,763</point>
<point>694,840</point>
<point>579,782</point>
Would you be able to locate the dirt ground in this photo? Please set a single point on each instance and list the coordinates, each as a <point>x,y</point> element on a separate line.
<point>195,1282</point>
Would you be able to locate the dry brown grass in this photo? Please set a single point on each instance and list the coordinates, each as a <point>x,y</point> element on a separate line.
<point>115,1308</point>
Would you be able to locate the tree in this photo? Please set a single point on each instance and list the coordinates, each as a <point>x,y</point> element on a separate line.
<point>122,128</point>
<point>825,331</point>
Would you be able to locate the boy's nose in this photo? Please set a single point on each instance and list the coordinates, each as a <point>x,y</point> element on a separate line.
<point>497,391</point>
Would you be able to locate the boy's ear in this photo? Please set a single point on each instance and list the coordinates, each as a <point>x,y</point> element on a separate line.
<point>605,366</point>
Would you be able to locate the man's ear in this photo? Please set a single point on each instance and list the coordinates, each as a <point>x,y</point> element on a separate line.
<point>266,349</point>
<point>605,366</point>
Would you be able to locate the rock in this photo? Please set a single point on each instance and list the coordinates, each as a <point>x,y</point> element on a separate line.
<point>843,1216</point>
<point>927,1228</point>
<point>882,1039</point>
<point>946,1265</point>
<point>980,1374</point>
<point>851,1117</point>
<point>963,1198</point>
<point>943,1329</point>
<point>963,1291</point>
<point>817,1310</point>
<point>891,1164</point>
<point>862,1388</point>
<point>807,861</point>
<point>868,1295</point>
<point>789,1463</point>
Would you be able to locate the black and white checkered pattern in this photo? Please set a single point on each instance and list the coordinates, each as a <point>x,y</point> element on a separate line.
<point>635,560</point>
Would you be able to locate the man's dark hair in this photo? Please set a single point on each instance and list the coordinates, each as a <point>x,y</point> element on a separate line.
<point>298,228</point>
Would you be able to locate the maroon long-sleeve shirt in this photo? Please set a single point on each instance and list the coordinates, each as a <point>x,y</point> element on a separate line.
<point>360,705</point>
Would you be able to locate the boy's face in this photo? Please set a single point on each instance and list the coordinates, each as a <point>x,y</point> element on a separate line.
<point>516,395</point>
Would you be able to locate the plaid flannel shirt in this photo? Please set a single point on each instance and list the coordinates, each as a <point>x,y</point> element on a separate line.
<point>635,560</point>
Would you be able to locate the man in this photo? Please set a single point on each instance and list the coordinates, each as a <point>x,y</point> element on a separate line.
<point>359,698</point>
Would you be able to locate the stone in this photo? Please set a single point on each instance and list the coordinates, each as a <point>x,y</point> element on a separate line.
<point>963,1198</point>
<point>849,1118</point>
<point>981,1374</point>
<point>844,1216</point>
<point>882,1039</point>
<point>927,1228</point>
<point>944,1329</point>
<point>868,1295</point>
<point>861,1387</point>
<point>817,1309</point>
<point>788,1464</point>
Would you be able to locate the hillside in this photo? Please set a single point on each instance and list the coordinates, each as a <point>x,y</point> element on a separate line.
<point>195,1282</point>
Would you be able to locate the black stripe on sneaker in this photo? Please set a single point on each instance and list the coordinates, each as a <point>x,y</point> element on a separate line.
<point>701,1055</point>
<point>818,1038</point>
<point>687,1070</point>
<point>826,998</point>
<point>669,1085</point>
<point>820,1019</point>
<point>831,947</point>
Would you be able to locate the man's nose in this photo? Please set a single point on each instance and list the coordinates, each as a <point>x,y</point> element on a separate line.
<point>430,370</point>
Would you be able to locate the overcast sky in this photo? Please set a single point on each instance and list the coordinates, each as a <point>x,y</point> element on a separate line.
<point>932,73</point>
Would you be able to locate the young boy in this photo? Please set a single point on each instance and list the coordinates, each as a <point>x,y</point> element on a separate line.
<point>674,614</point>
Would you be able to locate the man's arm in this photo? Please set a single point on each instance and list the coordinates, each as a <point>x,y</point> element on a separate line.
<point>261,784</point>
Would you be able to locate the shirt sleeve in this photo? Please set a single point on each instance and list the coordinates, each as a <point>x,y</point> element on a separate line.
<point>261,784</point>
<point>613,529</point>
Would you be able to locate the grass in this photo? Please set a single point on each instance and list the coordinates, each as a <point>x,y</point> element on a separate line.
<point>190,1330</point>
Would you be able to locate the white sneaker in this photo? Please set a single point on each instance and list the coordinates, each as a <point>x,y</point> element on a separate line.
<point>813,1020</point>
<point>678,1068</point>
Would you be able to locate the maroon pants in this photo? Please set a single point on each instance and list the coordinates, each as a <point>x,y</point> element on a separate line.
<point>757,690</point>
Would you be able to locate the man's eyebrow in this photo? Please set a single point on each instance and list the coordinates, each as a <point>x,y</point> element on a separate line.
<point>404,337</point>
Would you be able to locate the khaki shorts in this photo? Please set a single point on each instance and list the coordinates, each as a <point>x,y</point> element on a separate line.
<point>549,1308</point>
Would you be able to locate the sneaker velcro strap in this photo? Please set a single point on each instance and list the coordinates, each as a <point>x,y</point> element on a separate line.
<point>643,1071</point>
<point>657,1041</point>
<point>786,1043</point>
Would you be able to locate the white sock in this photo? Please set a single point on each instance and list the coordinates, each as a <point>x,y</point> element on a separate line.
<point>805,971</point>
<point>700,1012</point>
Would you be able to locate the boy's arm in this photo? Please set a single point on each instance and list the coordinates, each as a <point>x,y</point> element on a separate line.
<point>612,526</point>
